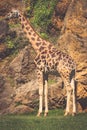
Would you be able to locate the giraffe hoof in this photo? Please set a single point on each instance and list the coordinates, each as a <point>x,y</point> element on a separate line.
<point>45,114</point>
<point>39,114</point>
<point>66,114</point>
<point>73,114</point>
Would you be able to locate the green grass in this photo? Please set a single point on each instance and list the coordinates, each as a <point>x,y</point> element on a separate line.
<point>54,121</point>
<point>51,81</point>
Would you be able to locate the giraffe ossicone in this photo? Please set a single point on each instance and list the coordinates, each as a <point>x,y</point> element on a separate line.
<point>48,59</point>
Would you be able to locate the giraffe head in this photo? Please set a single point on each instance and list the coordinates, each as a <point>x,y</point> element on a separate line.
<point>13,14</point>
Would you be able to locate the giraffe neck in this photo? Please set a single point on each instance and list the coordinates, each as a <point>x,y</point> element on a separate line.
<point>33,37</point>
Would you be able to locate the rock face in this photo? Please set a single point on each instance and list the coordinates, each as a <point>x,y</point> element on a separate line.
<point>18,86</point>
<point>2,82</point>
<point>73,40</point>
<point>5,6</point>
<point>3,31</point>
<point>60,12</point>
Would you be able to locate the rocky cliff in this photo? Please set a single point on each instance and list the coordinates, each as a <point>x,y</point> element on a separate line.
<point>73,40</point>
<point>18,81</point>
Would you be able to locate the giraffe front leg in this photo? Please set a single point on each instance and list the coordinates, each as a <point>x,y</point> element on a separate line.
<point>40,83</point>
<point>46,97</point>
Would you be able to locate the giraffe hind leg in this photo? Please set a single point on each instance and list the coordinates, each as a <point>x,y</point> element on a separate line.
<point>74,91</point>
<point>73,85</point>
<point>46,98</point>
<point>68,92</point>
<point>71,94</point>
<point>46,93</point>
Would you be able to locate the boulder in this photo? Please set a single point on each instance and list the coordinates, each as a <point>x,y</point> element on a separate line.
<point>22,66</point>
<point>20,109</point>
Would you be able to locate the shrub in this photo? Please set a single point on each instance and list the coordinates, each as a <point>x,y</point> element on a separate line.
<point>42,12</point>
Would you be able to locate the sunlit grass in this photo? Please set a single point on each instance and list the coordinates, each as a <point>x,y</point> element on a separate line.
<point>54,121</point>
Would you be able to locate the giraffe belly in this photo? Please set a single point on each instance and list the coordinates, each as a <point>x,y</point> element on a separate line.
<point>46,66</point>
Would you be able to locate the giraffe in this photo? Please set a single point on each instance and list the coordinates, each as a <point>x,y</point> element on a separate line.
<point>49,58</point>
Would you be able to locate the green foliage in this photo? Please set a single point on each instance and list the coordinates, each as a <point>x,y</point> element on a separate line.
<point>9,42</point>
<point>44,35</point>
<point>43,11</point>
<point>13,25</point>
<point>54,121</point>
<point>40,13</point>
<point>29,7</point>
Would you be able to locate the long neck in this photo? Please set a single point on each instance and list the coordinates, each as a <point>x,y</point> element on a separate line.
<point>33,37</point>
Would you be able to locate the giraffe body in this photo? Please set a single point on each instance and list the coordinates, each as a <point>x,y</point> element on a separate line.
<point>49,59</point>
<point>54,60</point>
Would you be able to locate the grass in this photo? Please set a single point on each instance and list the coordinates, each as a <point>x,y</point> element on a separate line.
<point>54,121</point>
<point>51,81</point>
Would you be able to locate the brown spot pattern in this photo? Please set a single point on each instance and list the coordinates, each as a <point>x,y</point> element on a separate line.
<point>27,28</point>
<point>38,43</point>
<point>41,48</point>
<point>32,38</point>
